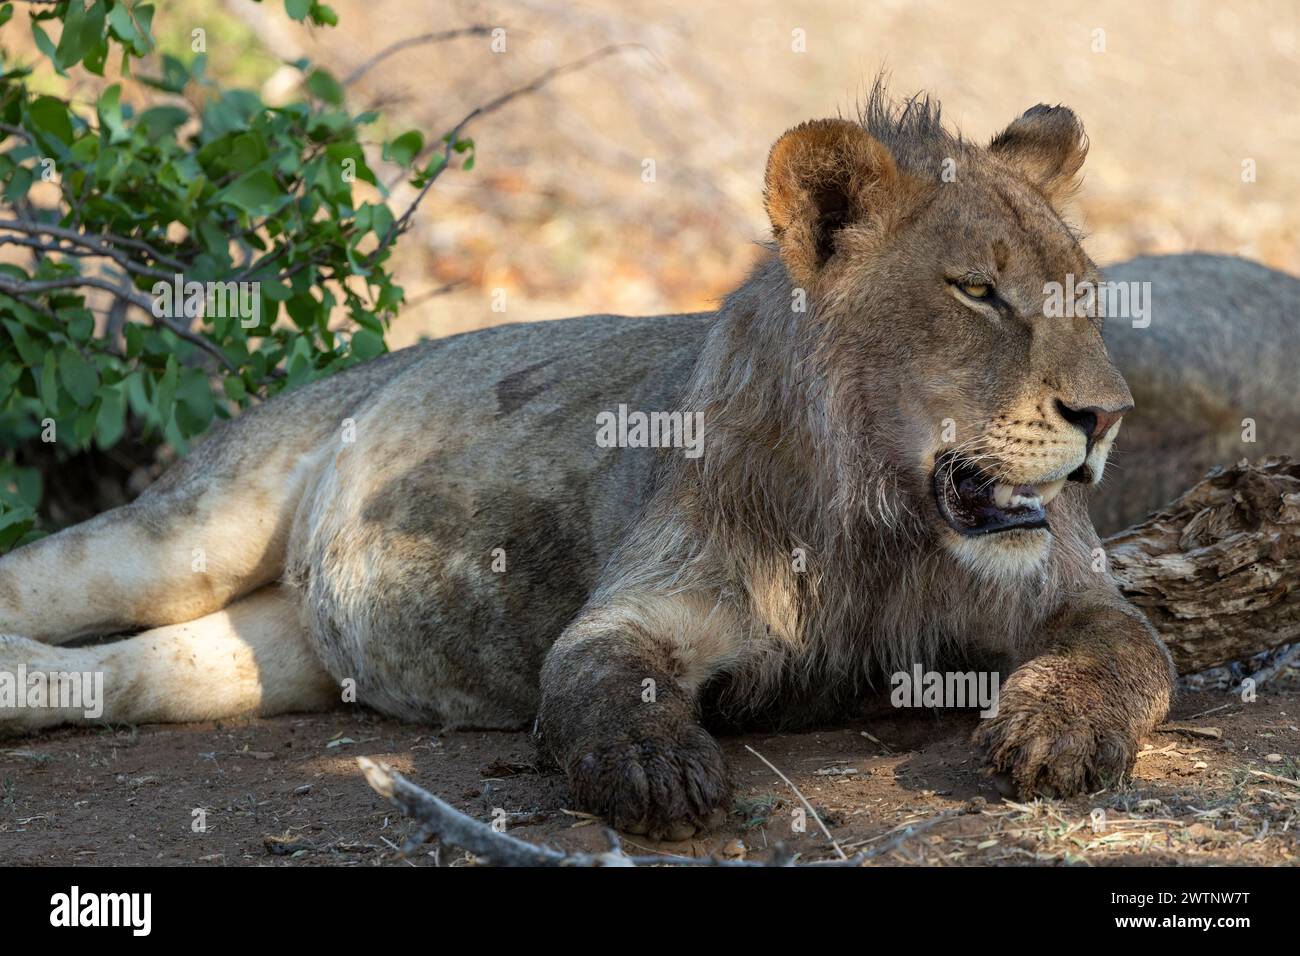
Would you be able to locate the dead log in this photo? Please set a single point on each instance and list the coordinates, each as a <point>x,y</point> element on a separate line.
<point>1217,571</point>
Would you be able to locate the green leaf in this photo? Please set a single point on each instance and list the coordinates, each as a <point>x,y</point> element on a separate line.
<point>194,404</point>
<point>235,110</point>
<point>297,9</point>
<point>78,376</point>
<point>174,77</point>
<point>367,344</point>
<point>83,29</point>
<point>255,193</point>
<point>19,184</point>
<point>324,87</point>
<point>71,41</point>
<point>46,46</point>
<point>161,121</point>
<point>13,526</point>
<point>134,340</point>
<point>51,116</point>
<point>144,17</point>
<point>405,148</point>
<point>81,324</point>
<point>28,351</point>
<point>119,18</point>
<point>234,388</point>
<point>110,114</point>
<point>165,395</point>
<point>324,15</point>
<point>137,396</point>
<point>110,423</point>
<point>49,386</point>
<point>27,486</point>
<point>303,309</point>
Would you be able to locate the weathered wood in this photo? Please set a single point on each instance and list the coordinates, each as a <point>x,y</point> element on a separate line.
<point>1217,571</point>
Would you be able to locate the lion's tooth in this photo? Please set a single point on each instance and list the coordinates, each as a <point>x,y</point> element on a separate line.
<point>1002,495</point>
<point>1051,490</point>
<point>1026,501</point>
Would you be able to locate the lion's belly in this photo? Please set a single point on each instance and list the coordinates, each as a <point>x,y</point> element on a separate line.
<point>461,523</point>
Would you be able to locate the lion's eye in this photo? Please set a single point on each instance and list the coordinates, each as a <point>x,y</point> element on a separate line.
<point>976,290</point>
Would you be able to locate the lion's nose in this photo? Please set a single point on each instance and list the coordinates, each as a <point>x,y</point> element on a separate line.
<point>1091,420</point>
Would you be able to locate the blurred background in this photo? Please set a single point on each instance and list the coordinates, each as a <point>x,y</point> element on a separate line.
<point>559,217</point>
<point>1175,95</point>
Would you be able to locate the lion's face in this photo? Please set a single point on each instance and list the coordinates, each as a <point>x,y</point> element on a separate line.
<point>938,305</point>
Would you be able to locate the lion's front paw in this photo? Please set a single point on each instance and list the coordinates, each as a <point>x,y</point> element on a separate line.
<point>1056,734</point>
<point>667,786</point>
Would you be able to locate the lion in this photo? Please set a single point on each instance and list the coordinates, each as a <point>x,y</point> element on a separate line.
<point>895,450</point>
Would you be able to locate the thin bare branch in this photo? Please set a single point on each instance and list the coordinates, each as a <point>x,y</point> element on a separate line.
<point>17,287</point>
<point>409,42</point>
<point>102,243</point>
<point>85,251</point>
<point>451,138</point>
<point>802,799</point>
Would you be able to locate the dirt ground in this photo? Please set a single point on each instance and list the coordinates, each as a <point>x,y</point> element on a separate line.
<point>1224,788</point>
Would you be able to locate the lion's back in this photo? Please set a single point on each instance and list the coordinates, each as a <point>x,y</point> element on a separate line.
<point>1223,346</point>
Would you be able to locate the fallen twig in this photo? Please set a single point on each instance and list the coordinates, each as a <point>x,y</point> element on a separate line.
<point>437,818</point>
<point>905,831</point>
<point>1212,710</point>
<point>802,798</point>
<point>1208,733</point>
<point>1275,778</point>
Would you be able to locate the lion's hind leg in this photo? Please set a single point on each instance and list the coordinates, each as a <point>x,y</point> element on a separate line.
<point>250,658</point>
<point>200,538</point>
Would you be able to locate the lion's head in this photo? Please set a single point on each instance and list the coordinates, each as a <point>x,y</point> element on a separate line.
<point>934,270</point>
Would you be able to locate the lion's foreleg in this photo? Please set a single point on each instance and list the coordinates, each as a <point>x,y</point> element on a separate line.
<point>251,658</point>
<point>619,711</point>
<point>1070,719</point>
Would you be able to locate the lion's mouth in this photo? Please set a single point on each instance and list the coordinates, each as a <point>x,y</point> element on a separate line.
<point>974,502</point>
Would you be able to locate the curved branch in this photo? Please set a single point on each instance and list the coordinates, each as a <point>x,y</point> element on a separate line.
<point>16,287</point>
<point>84,251</point>
<point>450,139</point>
<point>409,42</point>
<point>100,243</point>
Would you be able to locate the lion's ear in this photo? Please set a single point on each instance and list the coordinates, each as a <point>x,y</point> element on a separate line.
<point>1047,146</point>
<point>821,176</point>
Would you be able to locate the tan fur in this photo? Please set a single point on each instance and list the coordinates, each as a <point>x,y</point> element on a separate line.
<point>450,538</point>
<point>824,429</point>
<point>249,658</point>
